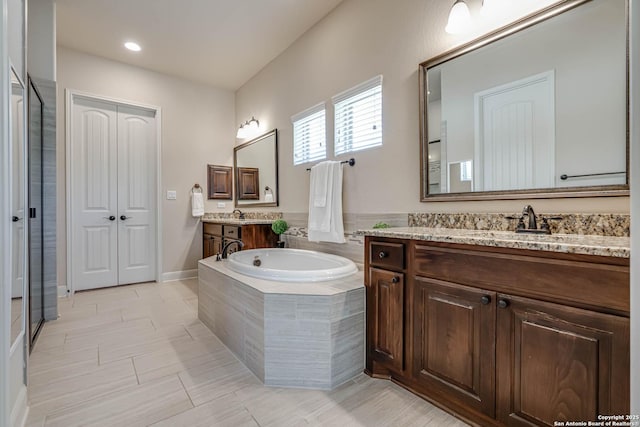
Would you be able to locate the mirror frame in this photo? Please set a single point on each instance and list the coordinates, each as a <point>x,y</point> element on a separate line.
<point>276,191</point>
<point>542,193</point>
<point>14,340</point>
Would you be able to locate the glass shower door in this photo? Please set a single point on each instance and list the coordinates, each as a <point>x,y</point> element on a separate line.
<point>36,238</point>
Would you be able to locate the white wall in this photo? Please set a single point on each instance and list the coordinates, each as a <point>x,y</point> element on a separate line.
<point>635,208</point>
<point>198,128</point>
<point>41,55</point>
<point>358,40</point>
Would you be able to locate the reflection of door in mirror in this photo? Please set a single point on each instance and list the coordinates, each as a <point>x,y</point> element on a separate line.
<point>515,134</point>
<point>248,184</point>
<point>36,237</point>
<point>18,236</point>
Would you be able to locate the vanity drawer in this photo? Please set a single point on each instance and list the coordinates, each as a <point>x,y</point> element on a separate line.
<point>215,229</point>
<point>387,255</point>
<point>232,232</point>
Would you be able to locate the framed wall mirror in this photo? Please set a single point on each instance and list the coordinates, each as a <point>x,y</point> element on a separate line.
<point>256,171</point>
<point>18,206</point>
<point>538,109</point>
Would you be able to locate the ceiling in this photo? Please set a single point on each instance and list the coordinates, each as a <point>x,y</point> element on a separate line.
<point>219,42</point>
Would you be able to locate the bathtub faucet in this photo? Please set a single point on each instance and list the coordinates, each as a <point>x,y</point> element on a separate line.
<point>225,249</point>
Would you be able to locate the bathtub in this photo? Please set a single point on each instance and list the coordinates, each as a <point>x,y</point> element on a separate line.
<point>291,265</point>
<point>295,326</point>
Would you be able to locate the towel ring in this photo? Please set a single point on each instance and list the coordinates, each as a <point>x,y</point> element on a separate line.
<point>196,188</point>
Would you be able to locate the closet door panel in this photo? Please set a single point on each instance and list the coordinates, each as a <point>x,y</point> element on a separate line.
<point>94,237</point>
<point>136,195</point>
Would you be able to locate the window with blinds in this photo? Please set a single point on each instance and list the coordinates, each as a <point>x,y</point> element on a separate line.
<point>358,117</point>
<point>309,135</point>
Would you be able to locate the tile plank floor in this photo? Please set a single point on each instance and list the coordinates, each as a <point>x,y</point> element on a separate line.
<point>138,356</point>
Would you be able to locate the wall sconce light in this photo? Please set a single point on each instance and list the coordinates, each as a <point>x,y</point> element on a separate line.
<point>459,18</point>
<point>248,129</point>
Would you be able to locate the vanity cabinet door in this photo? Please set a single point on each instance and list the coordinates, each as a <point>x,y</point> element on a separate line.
<point>558,363</point>
<point>385,301</point>
<point>454,343</point>
<point>211,245</point>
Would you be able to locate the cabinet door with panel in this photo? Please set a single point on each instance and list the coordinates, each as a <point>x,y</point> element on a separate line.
<point>454,342</point>
<point>385,296</point>
<point>559,363</point>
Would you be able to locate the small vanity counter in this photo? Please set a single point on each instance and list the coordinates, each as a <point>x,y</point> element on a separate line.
<point>498,327</point>
<point>236,221</point>
<point>566,243</point>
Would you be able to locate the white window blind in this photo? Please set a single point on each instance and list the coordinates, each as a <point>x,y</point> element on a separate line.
<point>358,117</point>
<point>309,135</point>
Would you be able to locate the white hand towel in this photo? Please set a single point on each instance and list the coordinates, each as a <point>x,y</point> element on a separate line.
<point>321,185</point>
<point>325,223</point>
<point>197,204</point>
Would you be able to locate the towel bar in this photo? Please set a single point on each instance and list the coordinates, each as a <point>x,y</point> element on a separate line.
<point>351,162</point>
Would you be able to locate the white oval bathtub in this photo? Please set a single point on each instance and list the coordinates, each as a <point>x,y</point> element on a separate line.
<point>291,265</point>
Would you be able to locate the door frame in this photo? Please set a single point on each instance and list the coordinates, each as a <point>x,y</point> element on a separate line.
<point>70,97</point>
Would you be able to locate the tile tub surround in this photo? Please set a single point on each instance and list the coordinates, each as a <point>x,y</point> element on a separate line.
<point>566,243</point>
<point>616,225</point>
<point>303,335</point>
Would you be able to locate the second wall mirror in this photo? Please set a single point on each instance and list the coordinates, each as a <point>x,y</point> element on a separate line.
<point>536,109</point>
<point>256,171</point>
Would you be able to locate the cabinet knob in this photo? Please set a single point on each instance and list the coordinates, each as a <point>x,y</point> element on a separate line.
<point>395,279</point>
<point>383,254</point>
<point>503,303</point>
<point>486,299</point>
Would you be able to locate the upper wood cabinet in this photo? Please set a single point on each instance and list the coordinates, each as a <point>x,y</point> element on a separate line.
<point>219,182</point>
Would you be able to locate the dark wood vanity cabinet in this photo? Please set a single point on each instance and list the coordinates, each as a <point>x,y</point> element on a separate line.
<point>254,236</point>
<point>385,280</point>
<point>503,336</point>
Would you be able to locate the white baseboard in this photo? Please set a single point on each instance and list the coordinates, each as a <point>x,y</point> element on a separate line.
<point>179,275</point>
<point>62,291</point>
<point>20,410</point>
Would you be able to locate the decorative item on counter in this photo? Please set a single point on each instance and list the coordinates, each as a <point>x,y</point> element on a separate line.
<point>279,226</point>
<point>381,225</point>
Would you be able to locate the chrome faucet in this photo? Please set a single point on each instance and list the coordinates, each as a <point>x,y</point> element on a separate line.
<point>225,248</point>
<point>240,213</point>
<point>528,212</point>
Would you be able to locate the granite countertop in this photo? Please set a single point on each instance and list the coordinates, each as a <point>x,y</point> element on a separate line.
<point>566,243</point>
<point>236,221</point>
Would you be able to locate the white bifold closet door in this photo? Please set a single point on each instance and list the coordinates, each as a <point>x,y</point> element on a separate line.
<point>113,200</point>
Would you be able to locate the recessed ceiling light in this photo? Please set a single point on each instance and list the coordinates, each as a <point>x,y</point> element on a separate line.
<point>133,46</point>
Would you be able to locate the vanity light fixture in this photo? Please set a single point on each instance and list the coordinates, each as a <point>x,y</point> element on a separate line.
<point>133,46</point>
<point>248,129</point>
<point>459,18</point>
<point>489,7</point>
<point>254,125</point>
